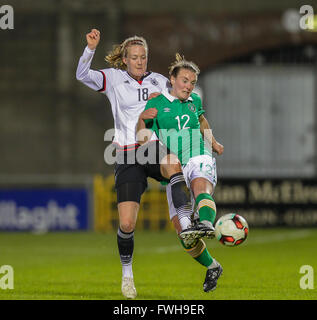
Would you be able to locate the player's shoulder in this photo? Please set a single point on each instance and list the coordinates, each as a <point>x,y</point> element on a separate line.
<point>195,97</point>
<point>157,101</point>
<point>112,72</point>
<point>115,77</point>
<point>157,78</point>
<point>157,75</point>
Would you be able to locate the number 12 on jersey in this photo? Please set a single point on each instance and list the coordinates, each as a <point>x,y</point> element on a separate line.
<point>186,116</point>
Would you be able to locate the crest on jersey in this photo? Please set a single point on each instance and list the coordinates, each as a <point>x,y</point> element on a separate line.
<point>154,82</point>
<point>192,107</point>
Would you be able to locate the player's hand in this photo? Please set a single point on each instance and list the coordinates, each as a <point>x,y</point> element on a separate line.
<point>218,148</point>
<point>93,38</point>
<point>150,113</point>
<point>154,95</point>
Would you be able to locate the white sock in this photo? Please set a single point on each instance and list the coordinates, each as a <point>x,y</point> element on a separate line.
<point>214,264</point>
<point>185,222</point>
<point>207,223</point>
<point>127,271</point>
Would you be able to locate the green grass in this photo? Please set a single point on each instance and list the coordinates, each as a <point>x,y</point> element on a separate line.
<point>86,266</point>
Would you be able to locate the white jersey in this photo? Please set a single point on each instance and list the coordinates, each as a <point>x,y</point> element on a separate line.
<point>127,96</point>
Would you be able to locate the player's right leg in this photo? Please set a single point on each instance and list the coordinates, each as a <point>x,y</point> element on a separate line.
<point>165,166</point>
<point>128,198</point>
<point>171,169</point>
<point>201,174</point>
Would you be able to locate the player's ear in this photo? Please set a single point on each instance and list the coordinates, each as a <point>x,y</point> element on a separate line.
<point>124,59</point>
<point>172,80</point>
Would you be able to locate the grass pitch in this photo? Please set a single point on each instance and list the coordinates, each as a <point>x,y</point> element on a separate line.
<point>86,265</point>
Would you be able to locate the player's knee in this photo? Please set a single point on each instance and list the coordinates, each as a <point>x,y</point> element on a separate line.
<point>201,185</point>
<point>127,226</point>
<point>175,168</point>
<point>170,165</point>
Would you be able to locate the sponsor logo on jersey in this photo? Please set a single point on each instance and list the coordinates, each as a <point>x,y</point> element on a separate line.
<point>127,81</point>
<point>167,109</point>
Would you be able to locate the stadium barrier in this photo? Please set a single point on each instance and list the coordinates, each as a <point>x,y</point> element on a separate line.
<point>270,202</point>
<point>68,203</point>
<point>42,210</point>
<point>153,213</point>
<point>263,202</point>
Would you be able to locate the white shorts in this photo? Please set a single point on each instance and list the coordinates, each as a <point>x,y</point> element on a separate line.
<point>197,167</point>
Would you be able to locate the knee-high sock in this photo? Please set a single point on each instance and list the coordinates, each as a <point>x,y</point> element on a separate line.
<point>181,199</point>
<point>206,207</point>
<point>126,246</point>
<point>199,252</point>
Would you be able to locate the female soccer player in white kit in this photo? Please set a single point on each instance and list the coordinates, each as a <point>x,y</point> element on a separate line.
<point>128,87</point>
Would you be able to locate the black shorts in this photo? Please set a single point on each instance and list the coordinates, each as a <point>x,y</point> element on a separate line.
<point>131,179</point>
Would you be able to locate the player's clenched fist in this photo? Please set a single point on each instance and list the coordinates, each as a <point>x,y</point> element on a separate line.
<point>150,113</point>
<point>93,38</point>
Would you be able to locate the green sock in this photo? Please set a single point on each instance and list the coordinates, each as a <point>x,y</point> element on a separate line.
<point>204,258</point>
<point>206,207</point>
<point>199,252</point>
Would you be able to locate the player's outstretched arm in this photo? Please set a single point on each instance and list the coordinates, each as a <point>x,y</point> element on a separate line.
<point>207,134</point>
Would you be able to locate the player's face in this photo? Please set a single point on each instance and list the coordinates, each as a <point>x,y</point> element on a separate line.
<point>136,61</point>
<point>183,84</point>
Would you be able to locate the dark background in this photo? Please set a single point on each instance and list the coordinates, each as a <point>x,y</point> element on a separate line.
<point>52,124</point>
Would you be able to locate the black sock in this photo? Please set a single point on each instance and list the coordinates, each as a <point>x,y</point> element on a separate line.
<point>180,195</point>
<point>125,245</point>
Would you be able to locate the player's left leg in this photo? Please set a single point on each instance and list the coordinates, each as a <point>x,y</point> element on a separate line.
<point>197,249</point>
<point>128,211</point>
<point>130,184</point>
<point>201,254</point>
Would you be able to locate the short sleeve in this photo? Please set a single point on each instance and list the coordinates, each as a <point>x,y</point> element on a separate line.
<point>198,104</point>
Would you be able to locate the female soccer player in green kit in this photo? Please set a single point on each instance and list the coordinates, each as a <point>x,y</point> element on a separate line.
<point>176,116</point>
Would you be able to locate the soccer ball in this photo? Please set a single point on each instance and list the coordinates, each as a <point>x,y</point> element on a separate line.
<point>231,229</point>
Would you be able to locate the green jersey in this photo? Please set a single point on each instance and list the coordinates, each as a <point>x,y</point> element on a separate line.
<point>177,125</point>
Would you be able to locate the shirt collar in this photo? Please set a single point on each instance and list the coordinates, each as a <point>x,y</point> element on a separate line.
<point>171,98</point>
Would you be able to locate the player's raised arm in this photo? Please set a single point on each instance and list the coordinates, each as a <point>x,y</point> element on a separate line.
<point>91,78</point>
<point>207,134</point>
<point>93,38</point>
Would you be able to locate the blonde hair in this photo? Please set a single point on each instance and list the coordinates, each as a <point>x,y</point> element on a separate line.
<point>180,63</point>
<point>119,51</point>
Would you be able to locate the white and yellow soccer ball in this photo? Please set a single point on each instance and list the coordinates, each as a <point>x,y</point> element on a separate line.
<point>231,229</point>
